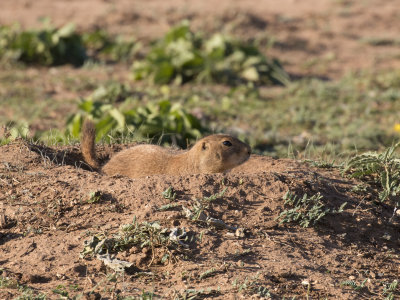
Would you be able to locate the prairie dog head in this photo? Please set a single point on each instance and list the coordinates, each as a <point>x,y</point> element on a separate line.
<point>218,153</point>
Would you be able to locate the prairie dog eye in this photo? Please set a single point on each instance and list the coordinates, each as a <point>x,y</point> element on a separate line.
<point>227,143</point>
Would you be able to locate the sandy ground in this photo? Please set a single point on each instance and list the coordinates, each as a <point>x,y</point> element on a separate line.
<point>45,196</point>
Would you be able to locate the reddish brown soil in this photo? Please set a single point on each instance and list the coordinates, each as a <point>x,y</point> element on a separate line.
<point>45,193</point>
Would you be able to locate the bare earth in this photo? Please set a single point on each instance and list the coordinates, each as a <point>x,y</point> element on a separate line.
<point>45,198</point>
<point>45,214</point>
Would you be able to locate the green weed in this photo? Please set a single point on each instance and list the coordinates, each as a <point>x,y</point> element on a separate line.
<point>103,46</point>
<point>95,197</point>
<point>306,210</point>
<point>169,194</point>
<point>12,131</point>
<point>148,235</point>
<point>163,120</point>
<point>251,286</point>
<point>389,289</point>
<point>379,168</point>
<point>48,46</point>
<point>5,282</point>
<point>57,46</point>
<point>209,273</point>
<point>61,290</point>
<point>183,56</point>
<point>353,284</point>
<point>198,206</point>
<point>26,292</point>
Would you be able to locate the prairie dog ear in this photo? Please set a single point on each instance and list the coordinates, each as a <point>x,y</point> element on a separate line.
<point>204,146</point>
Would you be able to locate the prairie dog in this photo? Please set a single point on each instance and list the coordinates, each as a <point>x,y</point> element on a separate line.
<point>213,154</point>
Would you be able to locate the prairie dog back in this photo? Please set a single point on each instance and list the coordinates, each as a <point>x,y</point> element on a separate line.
<point>212,154</point>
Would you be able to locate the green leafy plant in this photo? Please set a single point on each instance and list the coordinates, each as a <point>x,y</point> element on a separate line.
<point>183,56</point>
<point>26,292</point>
<point>149,235</point>
<point>167,122</point>
<point>251,286</point>
<point>162,120</point>
<point>61,290</point>
<point>196,211</point>
<point>6,282</point>
<point>102,45</point>
<point>12,131</point>
<point>209,273</point>
<point>95,197</point>
<point>48,46</point>
<point>305,210</point>
<point>57,46</point>
<point>353,284</point>
<point>379,168</point>
<point>112,93</point>
<point>169,194</point>
<point>389,289</point>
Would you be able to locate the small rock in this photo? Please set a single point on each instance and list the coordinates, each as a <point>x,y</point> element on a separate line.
<point>60,276</point>
<point>240,232</point>
<point>305,282</point>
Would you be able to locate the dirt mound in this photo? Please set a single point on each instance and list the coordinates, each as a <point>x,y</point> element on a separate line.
<point>51,206</point>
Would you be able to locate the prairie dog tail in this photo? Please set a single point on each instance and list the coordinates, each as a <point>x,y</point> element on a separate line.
<point>88,145</point>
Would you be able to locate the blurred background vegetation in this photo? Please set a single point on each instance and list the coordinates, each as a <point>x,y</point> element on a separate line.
<point>184,85</point>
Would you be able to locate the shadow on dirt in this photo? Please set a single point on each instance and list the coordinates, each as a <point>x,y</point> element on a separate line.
<point>71,157</point>
<point>4,238</point>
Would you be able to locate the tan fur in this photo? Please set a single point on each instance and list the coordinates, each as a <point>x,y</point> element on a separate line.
<point>208,155</point>
<point>88,144</point>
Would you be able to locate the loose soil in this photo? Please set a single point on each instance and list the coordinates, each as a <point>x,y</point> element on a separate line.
<point>45,197</point>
